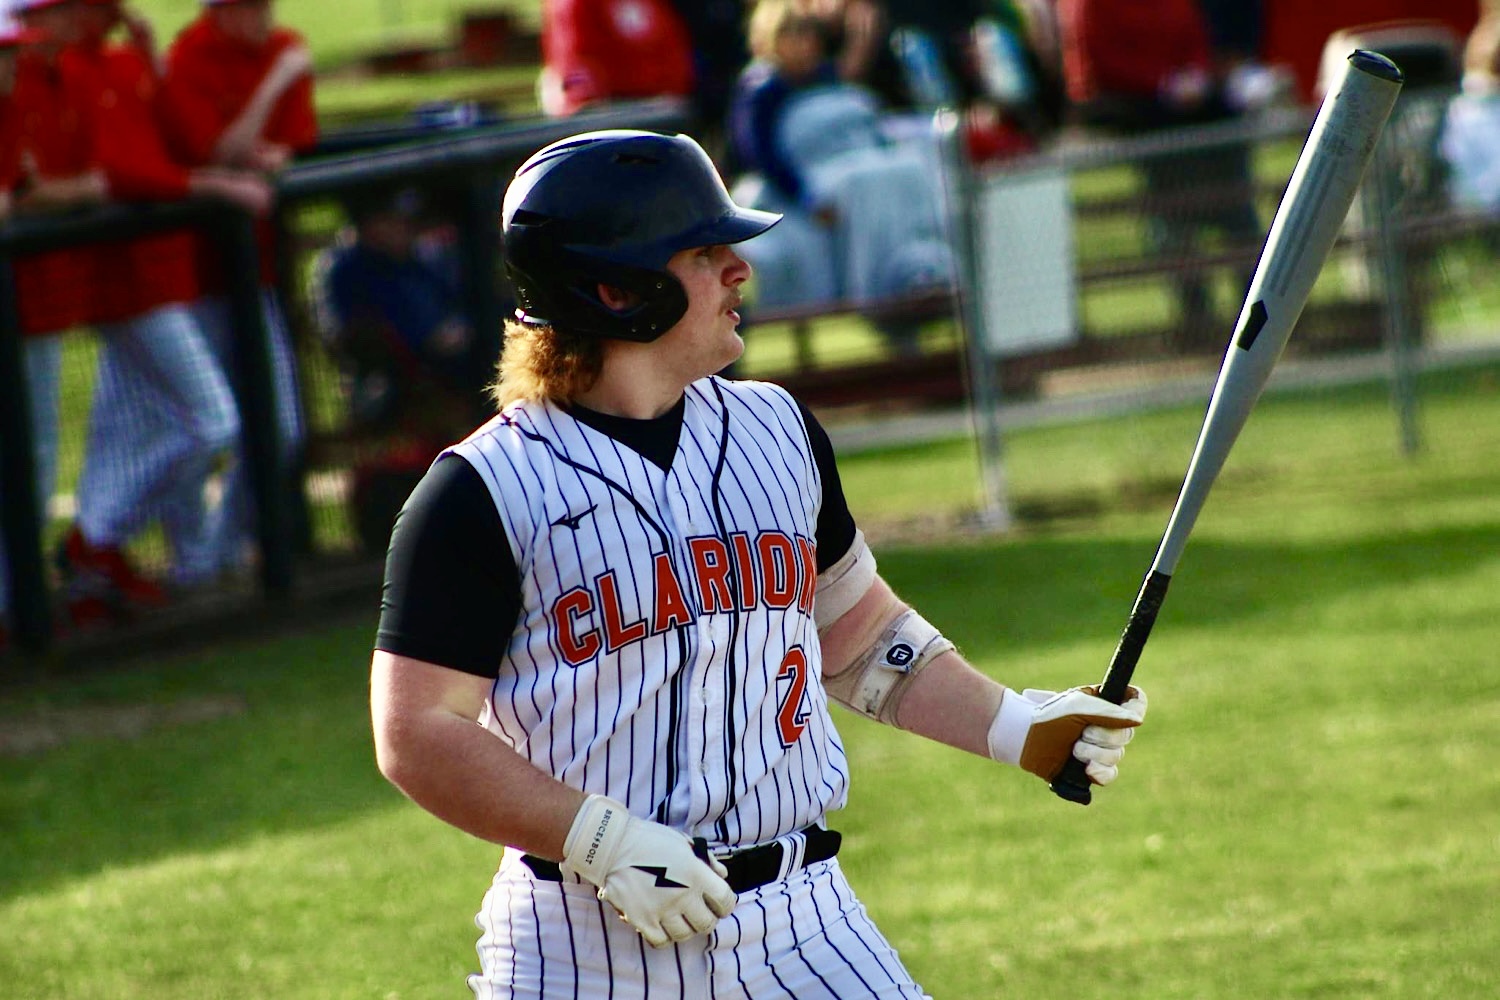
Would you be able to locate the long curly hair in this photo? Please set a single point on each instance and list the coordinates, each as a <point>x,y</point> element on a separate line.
<point>543,362</point>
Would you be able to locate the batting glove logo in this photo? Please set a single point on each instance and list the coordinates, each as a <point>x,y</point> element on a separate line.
<point>660,871</point>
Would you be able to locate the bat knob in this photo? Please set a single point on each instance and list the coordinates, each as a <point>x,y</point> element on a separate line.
<point>1072,783</point>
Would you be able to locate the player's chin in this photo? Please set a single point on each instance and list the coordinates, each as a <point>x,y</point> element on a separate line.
<point>735,345</point>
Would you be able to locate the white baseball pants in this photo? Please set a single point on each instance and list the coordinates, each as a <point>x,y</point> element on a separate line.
<point>806,937</point>
<point>208,539</point>
<point>163,417</point>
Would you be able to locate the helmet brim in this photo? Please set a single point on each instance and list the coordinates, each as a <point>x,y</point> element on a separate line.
<point>735,226</point>
<point>740,225</point>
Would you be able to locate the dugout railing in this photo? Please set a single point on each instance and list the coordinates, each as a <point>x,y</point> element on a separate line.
<point>474,163</point>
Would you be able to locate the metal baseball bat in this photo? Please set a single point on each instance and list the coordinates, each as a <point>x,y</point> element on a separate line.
<point>1322,187</point>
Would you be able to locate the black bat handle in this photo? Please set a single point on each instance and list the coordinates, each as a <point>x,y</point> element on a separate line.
<point>1072,782</point>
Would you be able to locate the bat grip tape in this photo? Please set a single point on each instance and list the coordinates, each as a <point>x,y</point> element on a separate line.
<point>1072,782</point>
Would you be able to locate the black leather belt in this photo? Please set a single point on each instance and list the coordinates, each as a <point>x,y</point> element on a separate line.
<point>749,869</point>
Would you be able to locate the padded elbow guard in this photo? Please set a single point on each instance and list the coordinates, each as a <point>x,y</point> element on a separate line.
<point>874,684</point>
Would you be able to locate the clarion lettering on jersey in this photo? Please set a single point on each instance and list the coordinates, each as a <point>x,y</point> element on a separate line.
<point>771,570</point>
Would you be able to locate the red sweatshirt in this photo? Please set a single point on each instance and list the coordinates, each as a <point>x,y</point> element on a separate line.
<point>1126,47</point>
<point>602,49</point>
<point>135,277</point>
<point>55,132</point>
<point>210,78</point>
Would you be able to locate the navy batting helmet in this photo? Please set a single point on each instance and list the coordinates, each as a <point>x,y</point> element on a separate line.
<point>612,208</point>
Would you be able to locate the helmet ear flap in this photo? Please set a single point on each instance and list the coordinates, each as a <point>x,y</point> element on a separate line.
<point>661,302</point>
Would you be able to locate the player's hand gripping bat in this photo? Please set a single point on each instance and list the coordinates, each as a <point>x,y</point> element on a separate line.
<point>1334,158</point>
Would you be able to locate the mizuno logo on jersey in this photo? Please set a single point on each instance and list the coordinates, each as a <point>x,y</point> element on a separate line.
<point>573,520</point>
<point>773,570</point>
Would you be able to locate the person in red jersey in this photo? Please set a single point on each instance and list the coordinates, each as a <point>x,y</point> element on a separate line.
<point>163,416</point>
<point>1135,67</point>
<point>48,165</point>
<point>238,92</point>
<point>596,51</point>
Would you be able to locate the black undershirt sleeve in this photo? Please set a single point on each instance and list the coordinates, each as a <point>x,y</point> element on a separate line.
<point>452,592</point>
<point>835,523</point>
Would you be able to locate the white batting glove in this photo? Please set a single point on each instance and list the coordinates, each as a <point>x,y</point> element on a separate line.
<point>1039,730</point>
<point>647,872</point>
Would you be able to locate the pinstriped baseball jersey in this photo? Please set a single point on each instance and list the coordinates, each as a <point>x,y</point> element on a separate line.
<point>666,654</point>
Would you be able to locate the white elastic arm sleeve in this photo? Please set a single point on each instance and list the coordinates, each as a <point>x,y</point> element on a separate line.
<point>874,684</point>
<point>841,585</point>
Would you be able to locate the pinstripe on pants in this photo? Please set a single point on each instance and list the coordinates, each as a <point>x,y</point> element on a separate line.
<point>162,417</point>
<point>209,540</point>
<point>803,938</point>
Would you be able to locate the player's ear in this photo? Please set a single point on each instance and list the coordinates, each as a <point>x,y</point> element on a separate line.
<point>617,299</point>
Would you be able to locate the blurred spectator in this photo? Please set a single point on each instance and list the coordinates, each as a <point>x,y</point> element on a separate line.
<point>1149,65</point>
<point>39,166</point>
<point>1236,38</point>
<point>856,39</point>
<point>1470,137</point>
<point>863,214</point>
<point>602,50</point>
<point>237,92</point>
<point>390,303</point>
<point>163,416</point>
<point>391,310</point>
<point>48,164</point>
<point>716,29</point>
<point>989,59</point>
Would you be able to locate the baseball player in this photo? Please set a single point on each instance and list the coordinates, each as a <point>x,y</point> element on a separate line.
<point>643,581</point>
<point>47,165</point>
<point>163,416</point>
<point>237,93</point>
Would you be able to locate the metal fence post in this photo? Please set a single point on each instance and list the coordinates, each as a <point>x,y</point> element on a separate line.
<point>21,518</point>
<point>960,194</point>
<point>479,246</point>
<point>255,384</point>
<point>1395,275</point>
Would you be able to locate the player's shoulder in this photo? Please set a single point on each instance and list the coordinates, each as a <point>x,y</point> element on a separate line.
<point>764,395</point>
<point>749,390</point>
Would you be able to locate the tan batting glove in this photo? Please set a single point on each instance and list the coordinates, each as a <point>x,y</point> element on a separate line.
<point>1039,730</point>
<point>647,872</point>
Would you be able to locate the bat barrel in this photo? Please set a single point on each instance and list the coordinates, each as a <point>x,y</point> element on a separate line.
<point>1307,224</point>
<point>1318,197</point>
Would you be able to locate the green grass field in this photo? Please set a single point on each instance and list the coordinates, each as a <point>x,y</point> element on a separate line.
<point>1308,812</point>
<point>339,31</point>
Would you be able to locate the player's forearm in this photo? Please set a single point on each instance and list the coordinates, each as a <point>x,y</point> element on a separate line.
<point>947,700</point>
<point>56,193</point>
<point>465,776</point>
<point>428,744</point>
<point>952,703</point>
